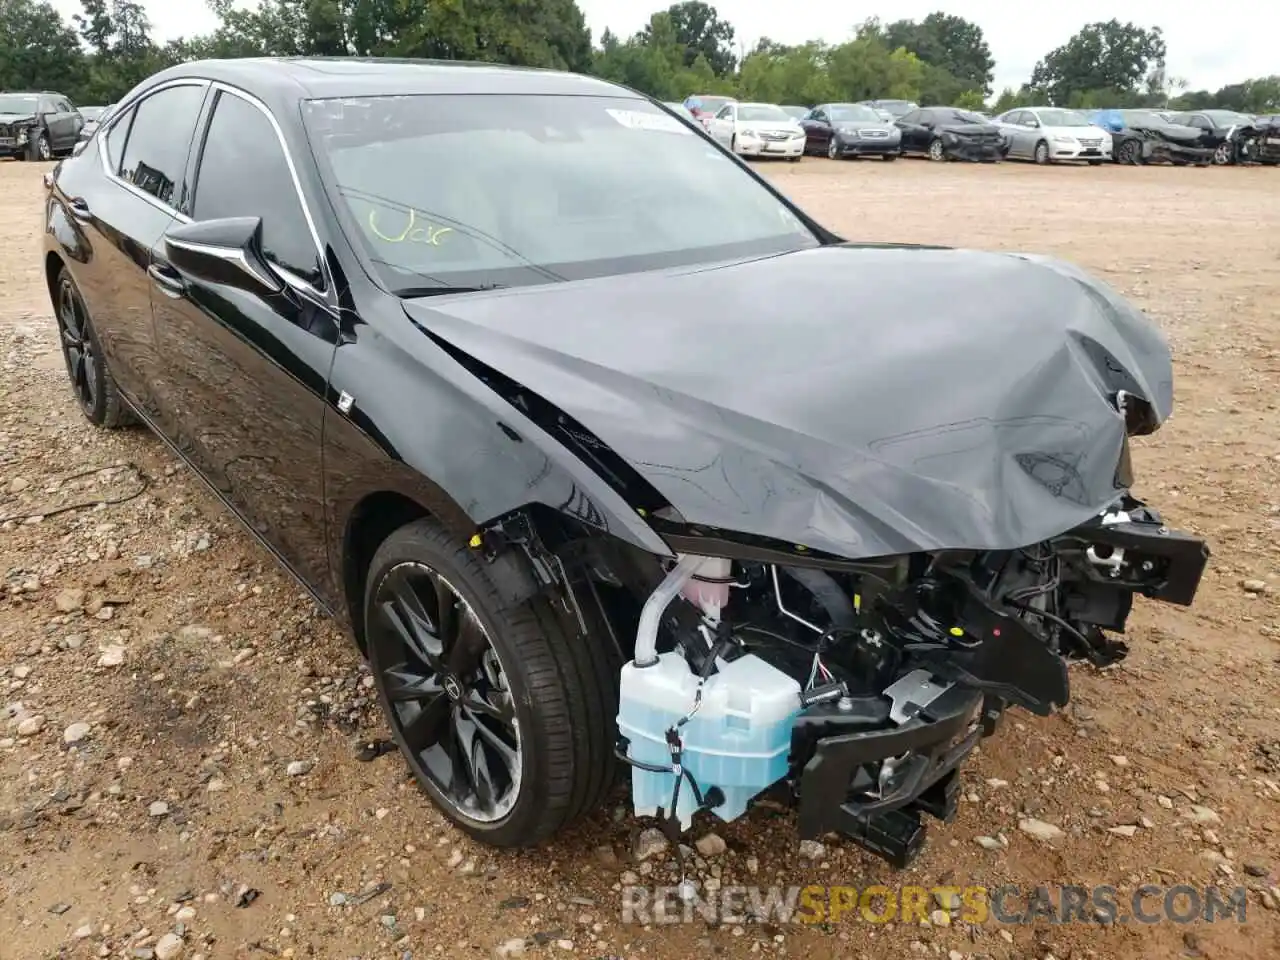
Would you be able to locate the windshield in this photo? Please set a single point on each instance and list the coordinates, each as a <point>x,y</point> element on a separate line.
<point>1228,118</point>
<point>17,103</point>
<point>795,113</point>
<point>1062,118</point>
<point>763,112</point>
<point>1143,118</point>
<point>853,113</point>
<point>899,108</point>
<point>709,104</point>
<point>960,116</point>
<point>466,191</point>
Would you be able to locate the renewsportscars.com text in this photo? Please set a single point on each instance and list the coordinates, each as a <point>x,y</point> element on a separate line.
<point>877,903</point>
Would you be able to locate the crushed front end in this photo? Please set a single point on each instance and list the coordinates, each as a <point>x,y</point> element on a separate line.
<point>892,670</point>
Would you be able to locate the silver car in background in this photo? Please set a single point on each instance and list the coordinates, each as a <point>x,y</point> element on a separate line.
<point>1050,134</point>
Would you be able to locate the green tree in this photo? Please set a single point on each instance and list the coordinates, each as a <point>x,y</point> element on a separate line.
<point>1106,60</point>
<point>951,43</point>
<point>38,49</point>
<point>775,73</point>
<point>701,32</point>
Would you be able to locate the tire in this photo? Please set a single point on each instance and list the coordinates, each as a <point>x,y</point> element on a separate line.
<point>91,382</point>
<point>937,152</point>
<point>833,150</point>
<point>1223,155</point>
<point>39,149</point>
<point>1095,163</point>
<point>1041,153</point>
<point>889,157</point>
<point>794,159</point>
<point>561,690</point>
<point>1130,153</point>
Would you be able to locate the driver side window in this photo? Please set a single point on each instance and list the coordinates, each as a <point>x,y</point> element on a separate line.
<point>821,116</point>
<point>914,116</point>
<point>726,112</point>
<point>243,172</point>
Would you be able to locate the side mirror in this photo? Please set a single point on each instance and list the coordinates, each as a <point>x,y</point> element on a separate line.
<point>227,252</point>
<point>1034,124</point>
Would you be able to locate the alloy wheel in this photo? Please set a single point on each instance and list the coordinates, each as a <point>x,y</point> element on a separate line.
<point>936,151</point>
<point>1129,151</point>
<point>446,693</point>
<point>78,348</point>
<point>833,149</point>
<point>1042,153</point>
<point>43,150</point>
<point>1222,155</point>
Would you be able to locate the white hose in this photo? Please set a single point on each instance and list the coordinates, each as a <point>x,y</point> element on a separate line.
<point>647,633</point>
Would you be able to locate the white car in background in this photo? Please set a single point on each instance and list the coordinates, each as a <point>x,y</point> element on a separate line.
<point>1048,134</point>
<point>758,130</point>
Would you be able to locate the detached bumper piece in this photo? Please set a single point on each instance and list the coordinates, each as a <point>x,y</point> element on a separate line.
<point>914,765</point>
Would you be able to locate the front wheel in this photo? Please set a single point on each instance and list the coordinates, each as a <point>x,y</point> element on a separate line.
<point>504,719</point>
<point>1223,154</point>
<point>833,149</point>
<point>937,151</point>
<point>39,149</point>
<point>890,157</point>
<point>1042,153</point>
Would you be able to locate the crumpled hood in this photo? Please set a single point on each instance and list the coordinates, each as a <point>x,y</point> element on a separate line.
<point>863,401</point>
<point>16,118</point>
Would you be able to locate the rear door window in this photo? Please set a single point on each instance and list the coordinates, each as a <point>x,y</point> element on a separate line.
<point>155,154</point>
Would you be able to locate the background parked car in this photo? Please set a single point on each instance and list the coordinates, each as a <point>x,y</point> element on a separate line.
<point>1232,135</point>
<point>37,125</point>
<point>951,133</point>
<point>1268,138</point>
<point>1143,136</point>
<point>678,108</point>
<point>758,130</point>
<point>850,130</point>
<point>891,110</point>
<point>1046,134</point>
<point>704,108</point>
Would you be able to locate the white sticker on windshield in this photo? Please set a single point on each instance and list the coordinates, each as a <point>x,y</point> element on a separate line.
<point>648,121</point>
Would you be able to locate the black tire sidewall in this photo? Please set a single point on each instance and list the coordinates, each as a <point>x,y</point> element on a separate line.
<point>1041,153</point>
<point>421,542</point>
<point>97,414</point>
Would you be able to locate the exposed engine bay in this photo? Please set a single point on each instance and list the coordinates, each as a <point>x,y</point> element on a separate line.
<point>859,690</point>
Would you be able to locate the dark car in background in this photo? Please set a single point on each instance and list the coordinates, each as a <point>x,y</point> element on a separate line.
<point>37,125</point>
<point>1232,135</point>
<point>850,130</point>
<point>951,133</point>
<point>1144,136</point>
<point>1268,150</point>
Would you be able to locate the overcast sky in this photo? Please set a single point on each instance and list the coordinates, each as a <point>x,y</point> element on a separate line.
<point>1210,45</point>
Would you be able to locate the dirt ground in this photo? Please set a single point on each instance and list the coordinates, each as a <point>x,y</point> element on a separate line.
<point>202,672</point>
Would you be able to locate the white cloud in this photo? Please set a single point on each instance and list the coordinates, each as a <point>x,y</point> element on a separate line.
<point>1210,47</point>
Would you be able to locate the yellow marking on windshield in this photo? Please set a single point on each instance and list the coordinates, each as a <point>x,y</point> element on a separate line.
<point>428,234</point>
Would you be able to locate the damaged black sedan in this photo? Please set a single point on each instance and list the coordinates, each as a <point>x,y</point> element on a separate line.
<point>493,361</point>
<point>1145,136</point>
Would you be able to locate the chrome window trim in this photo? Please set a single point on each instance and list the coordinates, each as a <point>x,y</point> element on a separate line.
<point>295,281</point>
<point>120,112</point>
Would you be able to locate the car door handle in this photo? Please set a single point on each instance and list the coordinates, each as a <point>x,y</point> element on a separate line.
<point>80,208</point>
<point>170,284</point>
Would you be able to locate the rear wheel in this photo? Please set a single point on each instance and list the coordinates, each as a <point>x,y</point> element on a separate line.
<point>504,719</point>
<point>888,157</point>
<point>937,151</point>
<point>91,381</point>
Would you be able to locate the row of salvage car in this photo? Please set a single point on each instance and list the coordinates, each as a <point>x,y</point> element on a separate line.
<point>889,129</point>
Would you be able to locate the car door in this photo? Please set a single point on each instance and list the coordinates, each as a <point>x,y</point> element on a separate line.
<point>122,196</point>
<point>1022,134</point>
<point>913,131</point>
<point>817,130</point>
<point>247,372</point>
<point>722,124</point>
<point>69,123</point>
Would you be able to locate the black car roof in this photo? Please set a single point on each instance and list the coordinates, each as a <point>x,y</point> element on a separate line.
<point>304,78</point>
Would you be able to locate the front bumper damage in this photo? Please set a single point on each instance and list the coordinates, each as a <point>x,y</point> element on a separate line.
<point>1174,151</point>
<point>979,151</point>
<point>854,776</point>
